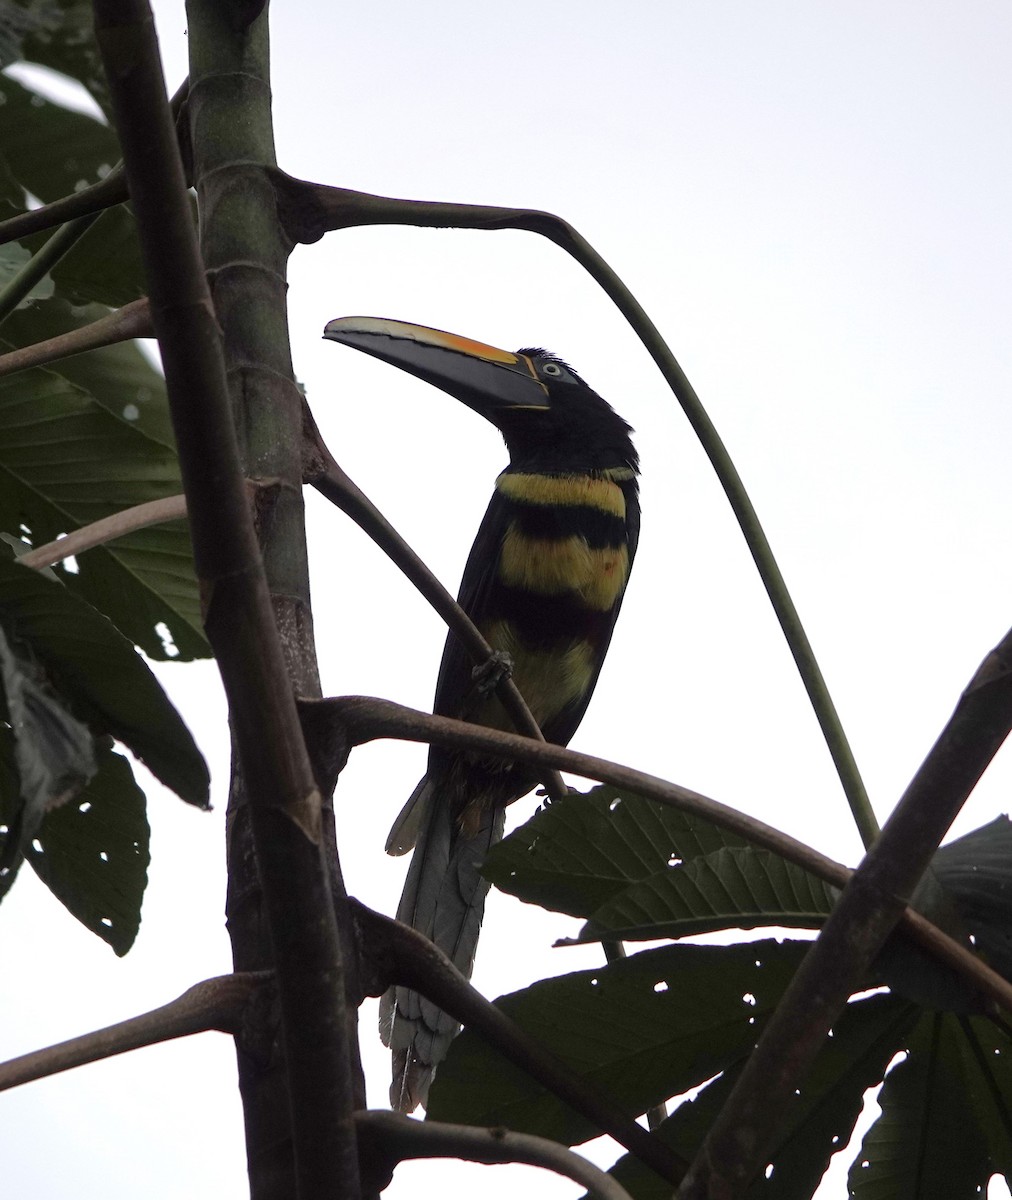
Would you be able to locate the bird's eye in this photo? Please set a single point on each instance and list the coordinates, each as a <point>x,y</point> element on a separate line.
<point>552,369</point>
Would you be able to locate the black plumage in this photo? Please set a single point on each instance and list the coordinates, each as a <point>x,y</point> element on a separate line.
<point>544,582</point>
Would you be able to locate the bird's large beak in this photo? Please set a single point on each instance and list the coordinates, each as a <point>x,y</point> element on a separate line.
<point>484,378</point>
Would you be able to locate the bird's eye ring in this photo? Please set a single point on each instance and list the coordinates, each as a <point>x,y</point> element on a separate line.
<point>552,369</point>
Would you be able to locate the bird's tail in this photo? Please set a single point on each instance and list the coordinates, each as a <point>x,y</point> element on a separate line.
<point>443,898</point>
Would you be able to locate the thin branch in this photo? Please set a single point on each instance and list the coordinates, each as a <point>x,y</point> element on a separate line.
<point>154,512</point>
<point>309,210</point>
<point>213,1004</point>
<point>133,320</point>
<point>389,1138</point>
<point>359,719</point>
<point>322,471</point>
<point>868,909</point>
<point>400,955</point>
<point>89,201</point>
<point>284,802</point>
<point>42,262</point>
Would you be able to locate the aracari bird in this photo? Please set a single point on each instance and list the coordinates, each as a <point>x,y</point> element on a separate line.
<point>544,583</point>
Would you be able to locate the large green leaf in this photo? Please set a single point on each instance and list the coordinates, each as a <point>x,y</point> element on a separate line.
<point>105,266</point>
<point>946,1123</point>
<point>644,1029</point>
<point>99,672</point>
<point>737,887</point>
<point>93,853</point>
<point>58,34</point>
<point>51,152</point>
<point>66,460</point>
<point>48,149</point>
<point>578,852</point>
<point>120,377</point>
<point>821,1115</point>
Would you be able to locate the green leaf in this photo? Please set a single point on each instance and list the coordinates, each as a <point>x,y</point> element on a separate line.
<point>976,871</point>
<point>51,152</point>
<point>578,852</point>
<point>737,887</point>
<point>12,258</point>
<point>65,461</point>
<point>93,854</point>
<point>945,1126</point>
<point>61,36</point>
<point>99,671</point>
<point>48,149</point>
<point>51,750</point>
<point>644,1029</point>
<point>820,1119</point>
<point>105,266</point>
<point>121,377</point>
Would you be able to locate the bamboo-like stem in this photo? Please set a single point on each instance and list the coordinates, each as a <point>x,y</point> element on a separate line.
<point>323,473</point>
<point>98,533</point>
<point>214,1004</point>
<point>359,719</point>
<point>868,909</point>
<point>284,803</point>
<point>401,955</point>
<point>389,1138</point>
<point>310,210</point>
<point>133,320</point>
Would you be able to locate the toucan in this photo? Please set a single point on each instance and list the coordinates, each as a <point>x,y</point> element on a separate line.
<point>544,583</point>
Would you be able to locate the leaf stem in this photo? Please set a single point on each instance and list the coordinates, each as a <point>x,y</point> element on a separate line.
<point>43,261</point>
<point>308,210</point>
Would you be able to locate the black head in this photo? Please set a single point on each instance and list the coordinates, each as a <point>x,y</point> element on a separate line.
<point>577,430</point>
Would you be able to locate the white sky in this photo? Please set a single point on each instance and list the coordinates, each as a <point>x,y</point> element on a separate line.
<point>812,202</point>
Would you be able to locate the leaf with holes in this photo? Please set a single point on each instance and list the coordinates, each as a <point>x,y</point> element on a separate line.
<point>644,1028</point>
<point>577,853</point>
<point>51,751</point>
<point>98,671</point>
<point>737,887</point>
<point>50,150</point>
<point>946,1123</point>
<point>976,872</point>
<point>121,377</point>
<point>819,1120</point>
<point>66,460</point>
<point>93,854</point>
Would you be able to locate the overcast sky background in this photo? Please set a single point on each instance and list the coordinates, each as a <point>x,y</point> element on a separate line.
<point>812,203</point>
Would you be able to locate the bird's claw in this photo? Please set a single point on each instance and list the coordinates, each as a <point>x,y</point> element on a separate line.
<point>488,675</point>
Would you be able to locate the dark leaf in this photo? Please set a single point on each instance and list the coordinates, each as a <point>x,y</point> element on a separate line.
<point>66,460</point>
<point>100,673</point>
<point>737,887</point>
<point>644,1029</point>
<point>945,1126</point>
<point>577,853</point>
<point>121,378</point>
<point>52,753</point>
<point>976,870</point>
<point>61,37</point>
<point>968,893</point>
<point>105,266</point>
<point>93,853</point>
<point>818,1123</point>
<point>48,149</point>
